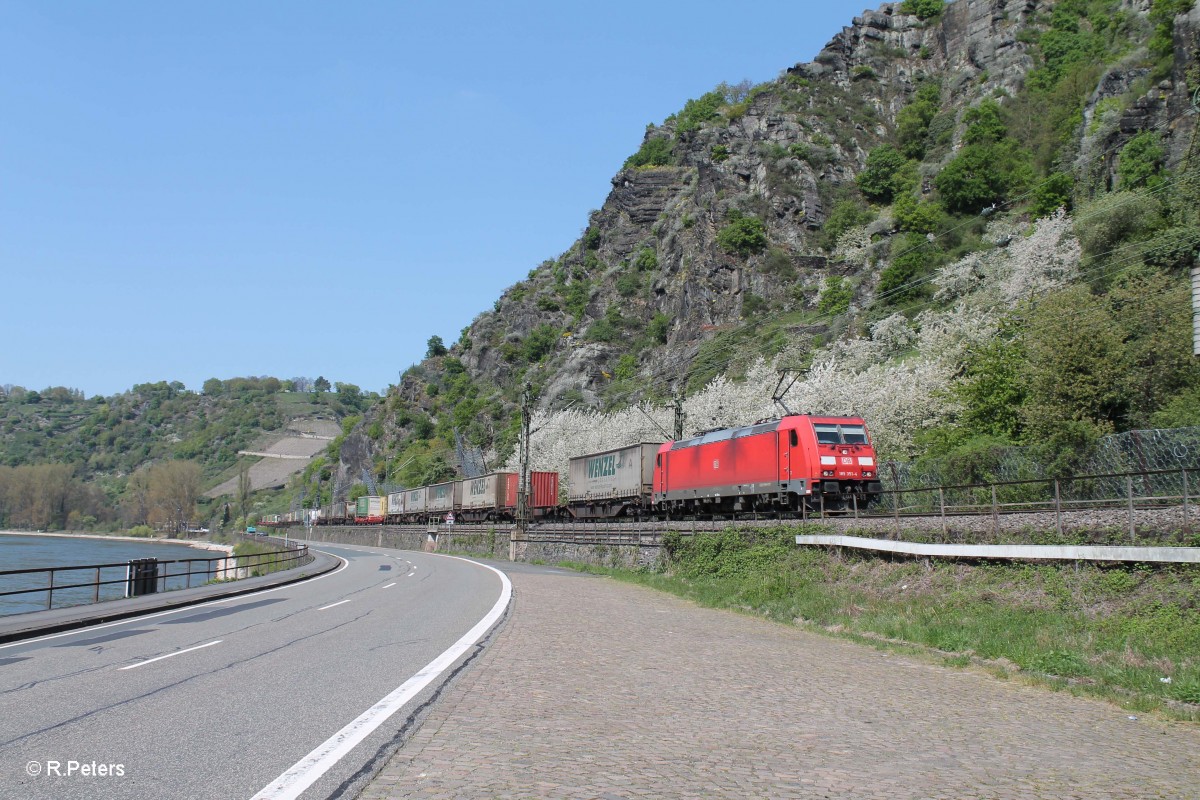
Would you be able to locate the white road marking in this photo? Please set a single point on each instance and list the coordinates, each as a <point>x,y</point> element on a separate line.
<point>390,585</point>
<point>171,655</point>
<point>338,603</point>
<point>305,772</point>
<point>144,617</point>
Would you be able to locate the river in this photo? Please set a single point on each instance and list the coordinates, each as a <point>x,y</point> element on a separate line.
<point>25,551</point>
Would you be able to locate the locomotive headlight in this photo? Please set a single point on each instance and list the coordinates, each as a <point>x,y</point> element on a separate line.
<point>868,473</point>
<point>828,473</point>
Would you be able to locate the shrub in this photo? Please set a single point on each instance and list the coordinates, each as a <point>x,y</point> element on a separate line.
<point>660,327</point>
<point>719,153</point>
<point>591,239</point>
<point>577,296</point>
<point>836,296</point>
<point>647,259</point>
<point>743,235</point>
<point>752,304</point>
<point>878,180</point>
<point>1141,161</point>
<point>654,152</point>
<point>922,9</point>
<point>601,331</point>
<point>984,124</point>
<point>1053,193</point>
<point>540,342</point>
<point>912,123</point>
<point>844,215</point>
<point>913,257</point>
<point>983,174</point>
<point>628,283</point>
<point>1162,14</point>
<point>696,112</point>
<point>915,216</point>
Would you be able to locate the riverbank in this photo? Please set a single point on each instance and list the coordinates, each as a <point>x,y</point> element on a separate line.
<point>199,544</point>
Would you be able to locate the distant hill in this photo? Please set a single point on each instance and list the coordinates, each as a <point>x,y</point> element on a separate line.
<point>104,440</point>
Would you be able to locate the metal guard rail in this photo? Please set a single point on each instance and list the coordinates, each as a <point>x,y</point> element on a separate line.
<point>292,557</point>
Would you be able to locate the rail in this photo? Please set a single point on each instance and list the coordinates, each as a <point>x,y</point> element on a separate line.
<point>138,576</point>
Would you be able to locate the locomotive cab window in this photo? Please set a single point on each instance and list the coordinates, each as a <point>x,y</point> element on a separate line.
<point>827,434</point>
<point>841,434</point>
<point>854,434</point>
<point>793,439</point>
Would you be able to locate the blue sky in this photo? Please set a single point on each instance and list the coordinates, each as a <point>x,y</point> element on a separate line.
<point>223,189</point>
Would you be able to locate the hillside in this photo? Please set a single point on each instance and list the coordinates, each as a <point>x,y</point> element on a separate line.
<point>97,445</point>
<point>869,220</point>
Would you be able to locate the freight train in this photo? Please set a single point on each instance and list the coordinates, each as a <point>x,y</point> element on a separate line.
<point>783,467</point>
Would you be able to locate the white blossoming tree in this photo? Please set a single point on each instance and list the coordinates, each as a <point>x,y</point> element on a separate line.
<point>897,378</point>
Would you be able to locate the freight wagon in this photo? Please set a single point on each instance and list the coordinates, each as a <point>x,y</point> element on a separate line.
<point>395,506</point>
<point>444,498</point>
<point>493,497</point>
<point>613,483</point>
<point>369,510</point>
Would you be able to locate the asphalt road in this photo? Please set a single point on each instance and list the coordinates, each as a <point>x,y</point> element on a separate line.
<point>220,700</point>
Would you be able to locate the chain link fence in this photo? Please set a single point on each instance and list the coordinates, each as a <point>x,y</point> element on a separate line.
<point>1147,451</point>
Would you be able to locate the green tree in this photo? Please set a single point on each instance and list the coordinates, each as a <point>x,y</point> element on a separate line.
<point>913,258</point>
<point>1141,161</point>
<point>743,235</point>
<point>1162,14</point>
<point>836,296</point>
<point>879,179</point>
<point>985,124</point>
<point>923,9</point>
<point>697,111</point>
<point>435,347</point>
<point>654,152</point>
<point>174,490</point>
<point>1075,368</point>
<point>984,174</point>
<point>1152,310</point>
<point>321,385</point>
<point>912,123</point>
<point>993,388</point>
<point>1053,193</point>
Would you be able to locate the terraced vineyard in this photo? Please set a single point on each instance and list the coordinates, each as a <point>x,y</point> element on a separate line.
<point>287,455</point>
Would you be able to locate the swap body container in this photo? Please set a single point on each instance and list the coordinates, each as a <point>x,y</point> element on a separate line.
<point>442,498</point>
<point>612,482</point>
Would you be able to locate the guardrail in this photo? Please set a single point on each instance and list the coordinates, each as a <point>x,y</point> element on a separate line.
<point>142,576</point>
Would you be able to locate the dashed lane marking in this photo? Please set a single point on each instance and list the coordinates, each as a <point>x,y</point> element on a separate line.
<point>171,655</point>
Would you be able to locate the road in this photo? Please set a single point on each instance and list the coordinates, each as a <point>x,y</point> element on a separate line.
<point>221,700</point>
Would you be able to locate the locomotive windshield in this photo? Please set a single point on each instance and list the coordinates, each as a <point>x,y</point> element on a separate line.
<point>840,434</point>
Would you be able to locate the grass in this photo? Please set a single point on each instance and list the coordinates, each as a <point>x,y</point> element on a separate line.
<point>247,551</point>
<point>1127,634</point>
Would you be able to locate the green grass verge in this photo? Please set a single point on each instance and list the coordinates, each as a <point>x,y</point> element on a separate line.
<point>1127,633</point>
<point>246,552</point>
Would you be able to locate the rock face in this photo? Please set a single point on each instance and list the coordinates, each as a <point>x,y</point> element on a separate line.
<point>624,312</point>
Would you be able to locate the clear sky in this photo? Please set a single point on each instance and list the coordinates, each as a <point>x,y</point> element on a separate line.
<point>220,189</point>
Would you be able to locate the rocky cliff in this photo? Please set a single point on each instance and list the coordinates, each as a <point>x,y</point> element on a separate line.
<point>718,241</point>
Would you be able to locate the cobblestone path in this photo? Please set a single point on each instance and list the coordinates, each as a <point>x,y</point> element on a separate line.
<point>599,689</point>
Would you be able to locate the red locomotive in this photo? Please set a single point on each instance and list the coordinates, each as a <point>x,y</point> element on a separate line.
<point>773,467</point>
